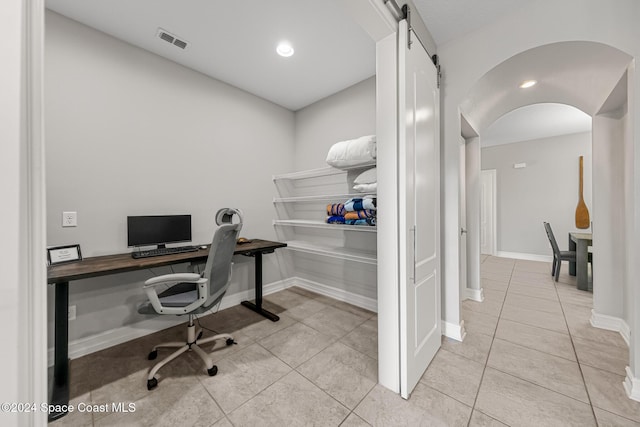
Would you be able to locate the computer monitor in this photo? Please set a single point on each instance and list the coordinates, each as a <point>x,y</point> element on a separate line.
<point>158,230</point>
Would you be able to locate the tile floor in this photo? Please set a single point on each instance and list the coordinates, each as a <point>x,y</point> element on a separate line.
<point>530,358</point>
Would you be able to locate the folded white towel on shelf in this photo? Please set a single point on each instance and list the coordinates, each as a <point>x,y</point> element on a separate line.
<point>353,153</point>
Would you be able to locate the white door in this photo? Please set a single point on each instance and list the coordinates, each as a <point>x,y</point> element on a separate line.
<point>488,212</point>
<point>463,218</point>
<point>418,210</point>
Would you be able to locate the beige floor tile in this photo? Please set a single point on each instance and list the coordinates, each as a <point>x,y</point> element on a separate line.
<point>492,308</point>
<point>600,355</point>
<point>296,344</point>
<point>306,309</point>
<point>533,266</point>
<point>266,327</point>
<point>549,321</point>
<point>480,323</point>
<point>286,299</point>
<point>334,322</point>
<point>575,296</point>
<point>292,401</point>
<point>497,276</point>
<point>607,419</point>
<point>474,347</point>
<point>364,338</point>
<point>535,338</point>
<point>500,285</point>
<point>532,303</point>
<point>426,407</point>
<point>223,422</point>
<point>478,419</point>
<point>359,311</point>
<point>342,372</point>
<point>454,375</point>
<point>354,421</point>
<point>179,401</point>
<point>243,375</point>
<point>516,402</point>
<point>607,392</point>
<point>580,327</point>
<point>76,418</point>
<point>494,295</point>
<point>552,372</point>
<point>534,291</point>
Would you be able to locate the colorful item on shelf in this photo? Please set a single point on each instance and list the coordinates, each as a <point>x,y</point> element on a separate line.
<point>367,213</point>
<point>365,221</point>
<point>336,209</point>
<point>335,219</point>
<point>358,204</point>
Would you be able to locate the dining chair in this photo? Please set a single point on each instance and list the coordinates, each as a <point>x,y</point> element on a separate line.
<point>558,255</point>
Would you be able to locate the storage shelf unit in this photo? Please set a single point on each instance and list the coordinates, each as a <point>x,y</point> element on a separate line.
<point>334,252</point>
<point>320,224</point>
<point>321,198</point>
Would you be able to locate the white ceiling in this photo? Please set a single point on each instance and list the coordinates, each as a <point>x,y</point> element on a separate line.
<point>235,41</point>
<point>535,122</point>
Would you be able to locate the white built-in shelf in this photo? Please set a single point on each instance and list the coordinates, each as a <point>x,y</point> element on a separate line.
<point>323,225</point>
<point>321,198</point>
<point>333,252</point>
<point>315,173</point>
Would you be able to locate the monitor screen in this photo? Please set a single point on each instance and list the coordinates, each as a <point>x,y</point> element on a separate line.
<point>158,229</point>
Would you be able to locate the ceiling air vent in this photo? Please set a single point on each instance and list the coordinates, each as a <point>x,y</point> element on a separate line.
<point>171,38</point>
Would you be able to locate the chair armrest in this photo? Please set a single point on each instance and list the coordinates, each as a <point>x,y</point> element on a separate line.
<point>173,278</point>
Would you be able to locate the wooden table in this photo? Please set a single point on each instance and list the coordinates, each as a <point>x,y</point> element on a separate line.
<point>580,243</point>
<point>60,275</point>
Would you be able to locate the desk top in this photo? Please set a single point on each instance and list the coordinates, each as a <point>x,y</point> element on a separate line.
<point>581,236</point>
<point>120,263</point>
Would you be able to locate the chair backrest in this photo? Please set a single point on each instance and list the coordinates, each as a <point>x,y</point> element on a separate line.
<point>218,267</point>
<point>552,239</point>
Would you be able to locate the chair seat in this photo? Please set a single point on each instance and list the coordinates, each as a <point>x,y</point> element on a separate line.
<point>179,295</point>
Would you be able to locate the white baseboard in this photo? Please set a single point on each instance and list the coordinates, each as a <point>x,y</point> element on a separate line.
<point>632,385</point>
<point>453,331</point>
<point>367,303</point>
<point>611,323</point>
<point>106,339</point>
<point>474,294</point>
<point>524,256</point>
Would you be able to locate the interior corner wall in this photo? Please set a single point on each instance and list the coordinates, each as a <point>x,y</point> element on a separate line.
<point>545,190</point>
<point>131,133</point>
<point>348,114</point>
<point>609,196</point>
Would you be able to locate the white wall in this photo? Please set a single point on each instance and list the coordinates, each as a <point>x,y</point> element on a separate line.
<point>346,115</point>
<point>130,133</point>
<point>545,190</point>
<point>11,16</point>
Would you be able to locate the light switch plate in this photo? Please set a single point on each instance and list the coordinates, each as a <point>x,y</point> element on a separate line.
<point>69,219</point>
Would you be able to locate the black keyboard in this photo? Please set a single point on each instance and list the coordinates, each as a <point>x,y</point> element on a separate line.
<point>163,251</point>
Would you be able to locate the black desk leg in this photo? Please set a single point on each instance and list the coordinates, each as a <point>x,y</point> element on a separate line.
<point>60,394</point>
<point>257,307</point>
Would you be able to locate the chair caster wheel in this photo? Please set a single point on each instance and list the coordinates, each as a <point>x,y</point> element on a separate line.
<point>230,341</point>
<point>153,355</point>
<point>212,371</point>
<point>152,383</point>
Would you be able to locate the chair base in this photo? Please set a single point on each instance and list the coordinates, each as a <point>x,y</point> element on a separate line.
<point>191,344</point>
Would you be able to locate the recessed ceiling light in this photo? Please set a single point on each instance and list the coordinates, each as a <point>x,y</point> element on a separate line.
<point>527,83</point>
<point>285,49</point>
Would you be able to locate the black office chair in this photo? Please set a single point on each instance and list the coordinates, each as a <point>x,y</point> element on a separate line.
<point>191,294</point>
<point>558,255</point>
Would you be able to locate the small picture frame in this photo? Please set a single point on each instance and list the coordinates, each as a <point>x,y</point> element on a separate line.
<point>62,254</point>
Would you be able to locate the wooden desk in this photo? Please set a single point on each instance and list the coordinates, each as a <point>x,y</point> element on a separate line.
<point>580,243</point>
<point>60,275</point>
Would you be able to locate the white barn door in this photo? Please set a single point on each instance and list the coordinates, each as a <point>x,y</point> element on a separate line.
<point>418,210</point>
